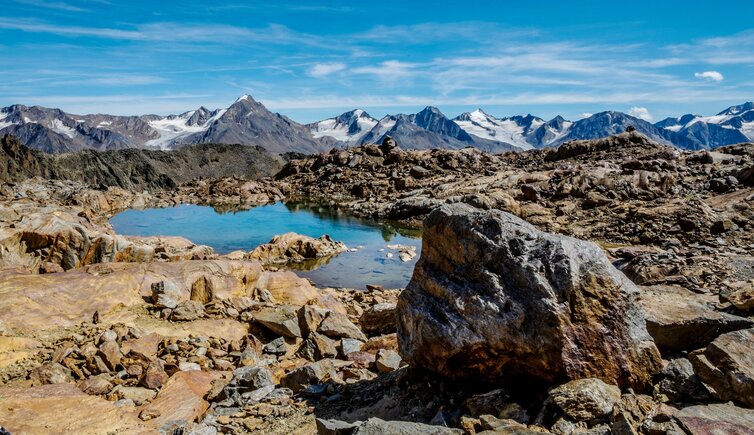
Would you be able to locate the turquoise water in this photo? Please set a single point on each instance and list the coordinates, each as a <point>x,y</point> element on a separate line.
<point>246,229</point>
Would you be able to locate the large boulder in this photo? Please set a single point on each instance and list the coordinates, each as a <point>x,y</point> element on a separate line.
<point>727,366</point>
<point>494,297</point>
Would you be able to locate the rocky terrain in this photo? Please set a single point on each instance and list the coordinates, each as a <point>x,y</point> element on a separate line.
<point>606,286</point>
<point>136,169</point>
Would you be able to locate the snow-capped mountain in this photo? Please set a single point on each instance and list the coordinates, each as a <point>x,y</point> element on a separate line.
<point>248,122</point>
<point>348,128</point>
<point>608,123</point>
<point>428,129</point>
<point>733,125</point>
<point>515,131</point>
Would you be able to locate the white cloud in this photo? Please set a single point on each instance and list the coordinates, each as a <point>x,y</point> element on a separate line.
<point>325,69</point>
<point>712,76</point>
<point>641,113</point>
<point>391,69</point>
<point>586,115</point>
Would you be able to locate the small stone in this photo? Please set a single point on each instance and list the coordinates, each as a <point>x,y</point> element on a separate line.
<point>186,366</point>
<point>139,395</point>
<point>252,377</point>
<point>727,366</point>
<point>310,374</point>
<point>337,325</point>
<point>335,427</point>
<point>379,319</point>
<point>188,310</point>
<point>679,382</point>
<point>349,345</point>
<point>110,353</point>
<point>318,347</point>
<point>95,386</point>
<point>387,361</point>
<point>585,399</point>
<point>280,320</point>
<point>743,297</point>
<point>258,394</point>
<point>276,347</point>
<point>50,373</point>
<point>108,335</point>
<point>146,345</point>
<point>166,294</point>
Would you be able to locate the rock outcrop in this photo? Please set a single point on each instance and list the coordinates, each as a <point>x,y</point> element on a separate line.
<point>296,248</point>
<point>37,302</point>
<point>493,296</point>
<point>137,169</point>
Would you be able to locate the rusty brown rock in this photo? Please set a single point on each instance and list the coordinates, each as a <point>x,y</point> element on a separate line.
<point>62,408</point>
<point>181,400</point>
<point>493,296</point>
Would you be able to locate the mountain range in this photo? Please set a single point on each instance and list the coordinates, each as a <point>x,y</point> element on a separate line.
<point>249,122</point>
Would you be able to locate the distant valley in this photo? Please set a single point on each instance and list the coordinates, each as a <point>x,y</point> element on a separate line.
<point>249,122</point>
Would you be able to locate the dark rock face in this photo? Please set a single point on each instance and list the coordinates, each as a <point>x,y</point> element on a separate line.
<point>136,169</point>
<point>493,296</point>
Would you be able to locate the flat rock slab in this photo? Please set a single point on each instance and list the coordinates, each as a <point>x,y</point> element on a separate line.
<point>680,320</point>
<point>181,400</point>
<point>716,419</point>
<point>31,303</point>
<point>63,408</point>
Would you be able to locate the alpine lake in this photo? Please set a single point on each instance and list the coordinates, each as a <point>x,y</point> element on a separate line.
<point>372,258</point>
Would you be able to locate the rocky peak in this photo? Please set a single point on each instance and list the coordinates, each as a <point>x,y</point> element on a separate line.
<point>737,110</point>
<point>199,116</point>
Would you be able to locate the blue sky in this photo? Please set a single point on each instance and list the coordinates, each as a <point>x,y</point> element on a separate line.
<point>315,59</point>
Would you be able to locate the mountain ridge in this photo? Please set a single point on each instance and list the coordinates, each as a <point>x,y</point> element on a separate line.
<point>249,122</point>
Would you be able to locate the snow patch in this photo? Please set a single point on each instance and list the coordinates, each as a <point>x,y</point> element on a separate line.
<point>57,126</point>
<point>748,130</point>
<point>104,124</point>
<point>173,128</point>
<point>340,131</point>
<point>484,126</point>
<point>3,123</point>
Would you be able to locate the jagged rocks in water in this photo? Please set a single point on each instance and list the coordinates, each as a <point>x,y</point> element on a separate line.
<point>296,248</point>
<point>492,296</point>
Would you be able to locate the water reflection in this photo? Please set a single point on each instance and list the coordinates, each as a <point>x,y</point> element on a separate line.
<point>229,228</point>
